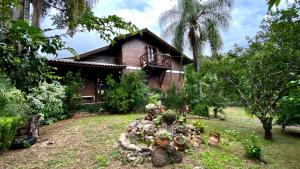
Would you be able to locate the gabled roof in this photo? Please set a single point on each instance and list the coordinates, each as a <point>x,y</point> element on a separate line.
<point>144,33</point>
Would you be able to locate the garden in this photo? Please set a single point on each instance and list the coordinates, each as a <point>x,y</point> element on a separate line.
<point>238,109</point>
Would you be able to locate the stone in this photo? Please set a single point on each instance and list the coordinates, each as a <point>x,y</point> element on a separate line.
<point>133,124</point>
<point>131,158</point>
<point>159,157</point>
<point>138,161</point>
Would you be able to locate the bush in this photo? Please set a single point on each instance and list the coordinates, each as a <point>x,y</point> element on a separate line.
<point>8,128</point>
<point>12,101</point>
<point>47,100</point>
<point>72,84</point>
<point>173,98</point>
<point>128,95</point>
<point>168,117</point>
<point>200,110</point>
<point>250,143</point>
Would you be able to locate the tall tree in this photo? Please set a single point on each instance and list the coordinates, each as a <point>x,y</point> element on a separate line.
<point>264,73</point>
<point>198,22</point>
<point>70,15</point>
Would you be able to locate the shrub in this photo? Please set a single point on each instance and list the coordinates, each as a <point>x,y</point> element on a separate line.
<point>72,84</point>
<point>250,143</point>
<point>169,117</point>
<point>8,128</point>
<point>200,110</point>
<point>173,98</point>
<point>47,100</point>
<point>12,101</point>
<point>128,95</point>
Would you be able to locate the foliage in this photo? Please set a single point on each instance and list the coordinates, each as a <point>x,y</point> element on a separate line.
<point>72,83</point>
<point>199,23</point>
<point>8,128</point>
<point>199,125</point>
<point>157,120</point>
<point>200,110</point>
<point>47,100</point>
<point>164,134</point>
<point>12,100</point>
<point>102,160</point>
<point>271,3</point>
<point>128,94</point>
<point>250,142</point>
<point>263,73</point>
<point>191,85</point>
<point>168,117</point>
<point>20,45</point>
<point>289,109</point>
<point>173,98</point>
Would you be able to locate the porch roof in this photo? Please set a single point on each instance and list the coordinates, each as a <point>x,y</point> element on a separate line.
<point>71,62</point>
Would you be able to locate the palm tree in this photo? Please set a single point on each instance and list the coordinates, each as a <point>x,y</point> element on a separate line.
<point>197,22</point>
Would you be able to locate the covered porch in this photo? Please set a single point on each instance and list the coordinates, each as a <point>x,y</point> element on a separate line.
<point>93,74</point>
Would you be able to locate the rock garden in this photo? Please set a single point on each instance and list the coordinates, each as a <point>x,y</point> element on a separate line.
<point>160,137</point>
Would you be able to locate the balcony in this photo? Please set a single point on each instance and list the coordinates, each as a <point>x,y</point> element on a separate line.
<point>154,60</point>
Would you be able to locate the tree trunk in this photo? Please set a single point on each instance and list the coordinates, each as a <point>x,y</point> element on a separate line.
<point>215,112</point>
<point>267,125</point>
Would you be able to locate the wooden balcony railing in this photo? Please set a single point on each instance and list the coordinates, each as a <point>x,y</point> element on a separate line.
<point>155,60</point>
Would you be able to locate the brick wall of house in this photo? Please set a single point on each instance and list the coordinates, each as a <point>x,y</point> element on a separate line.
<point>132,51</point>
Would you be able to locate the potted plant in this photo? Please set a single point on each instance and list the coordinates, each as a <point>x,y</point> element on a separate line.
<point>180,142</point>
<point>214,138</point>
<point>163,138</point>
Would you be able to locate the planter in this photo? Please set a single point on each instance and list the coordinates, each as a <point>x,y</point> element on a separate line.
<point>162,142</point>
<point>180,143</point>
<point>214,139</point>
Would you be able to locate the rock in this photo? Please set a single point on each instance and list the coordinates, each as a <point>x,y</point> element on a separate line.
<point>138,161</point>
<point>131,158</point>
<point>149,138</point>
<point>158,157</point>
<point>147,127</point>
<point>133,124</point>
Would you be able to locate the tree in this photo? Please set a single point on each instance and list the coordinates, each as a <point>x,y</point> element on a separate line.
<point>23,48</point>
<point>263,73</point>
<point>271,3</point>
<point>212,92</point>
<point>70,14</point>
<point>199,22</point>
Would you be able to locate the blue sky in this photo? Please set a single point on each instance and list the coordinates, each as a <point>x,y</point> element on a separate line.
<point>246,18</point>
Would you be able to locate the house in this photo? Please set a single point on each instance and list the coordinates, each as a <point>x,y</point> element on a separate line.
<point>161,62</point>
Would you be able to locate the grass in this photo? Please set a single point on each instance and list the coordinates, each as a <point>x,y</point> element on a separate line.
<point>91,142</point>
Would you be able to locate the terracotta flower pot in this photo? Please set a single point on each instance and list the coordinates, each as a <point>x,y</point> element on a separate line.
<point>214,138</point>
<point>181,146</point>
<point>162,142</point>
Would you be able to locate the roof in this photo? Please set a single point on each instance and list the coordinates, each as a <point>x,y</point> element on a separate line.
<point>85,63</point>
<point>144,33</point>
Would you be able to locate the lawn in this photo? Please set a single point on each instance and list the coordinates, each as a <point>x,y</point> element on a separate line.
<point>91,142</point>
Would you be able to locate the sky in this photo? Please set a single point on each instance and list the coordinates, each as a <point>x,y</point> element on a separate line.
<point>246,18</point>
